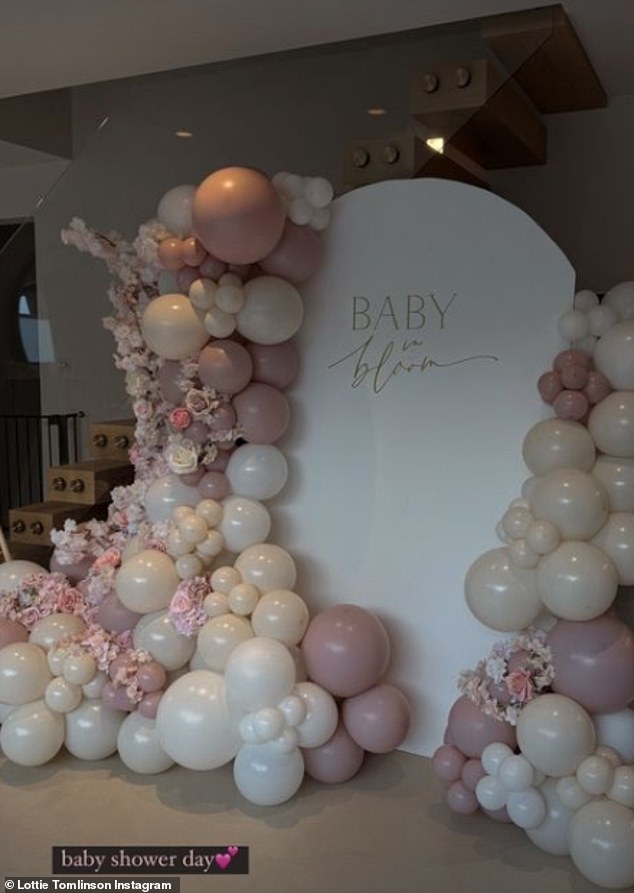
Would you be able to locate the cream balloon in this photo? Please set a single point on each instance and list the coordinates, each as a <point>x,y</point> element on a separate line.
<point>282,615</point>
<point>218,638</point>
<point>94,688</point>
<point>92,729</point>
<point>577,581</point>
<point>175,210</point>
<point>62,696</point>
<point>552,834</point>
<point>616,539</point>
<point>265,776</point>
<point>139,746</point>
<point>52,629</point>
<point>172,328</point>
<point>24,673</point>
<point>595,774</point>
<point>79,669</point>
<point>321,718</point>
<point>611,424</point>
<point>614,355</point>
<point>167,493</point>
<point>267,566</point>
<point>194,725</point>
<point>500,595</point>
<point>257,471</point>
<point>13,572</point>
<point>245,522</point>
<point>558,443</point>
<point>575,502</point>
<point>32,734</point>
<point>147,581</point>
<point>259,673</point>
<point>622,787</point>
<point>272,312</point>
<point>156,634</point>
<point>621,299</point>
<point>617,476</point>
<point>601,839</point>
<point>555,734</point>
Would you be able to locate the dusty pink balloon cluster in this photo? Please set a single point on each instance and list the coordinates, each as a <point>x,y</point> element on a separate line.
<point>172,632</point>
<point>543,734</point>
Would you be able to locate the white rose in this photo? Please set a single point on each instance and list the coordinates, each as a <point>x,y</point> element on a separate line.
<point>182,458</point>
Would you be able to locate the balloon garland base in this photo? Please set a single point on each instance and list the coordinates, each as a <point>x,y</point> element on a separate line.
<point>171,633</point>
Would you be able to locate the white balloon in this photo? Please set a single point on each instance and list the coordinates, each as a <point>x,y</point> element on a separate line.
<point>555,734</point>
<point>572,325</point>
<point>281,615</point>
<point>215,604</point>
<point>172,328</point>
<point>585,300</point>
<point>139,746</point>
<point>552,834</point>
<point>622,787</point>
<point>621,298</point>
<point>245,522</point>
<point>24,673</point>
<point>494,755</point>
<point>273,310</point>
<point>175,210</point>
<point>616,539</point>
<point>194,724</point>
<point>62,696</point>
<point>32,734</point>
<point>617,476</point>
<point>577,581</point>
<point>13,572</point>
<point>91,730</point>
<point>595,775</point>
<point>165,494</point>
<point>526,809</point>
<point>490,793</point>
<point>601,839</point>
<point>224,579</point>
<point>268,723</point>
<point>616,730</point>
<point>242,600</point>
<point>94,688</point>
<point>188,566</point>
<point>572,500</point>
<point>319,192</point>
<point>50,630</point>
<point>322,716</point>
<point>259,673</point>
<point>516,774</point>
<point>5,710</point>
<point>218,638</point>
<point>202,294</point>
<point>267,566</point>
<point>218,323</point>
<point>147,581</point>
<point>257,471</point>
<point>193,528</point>
<point>542,537</point>
<point>294,709</point>
<point>521,555</point>
<point>611,424</point>
<point>600,320</point>
<point>501,595</point>
<point>79,669</point>
<point>571,794</point>
<point>558,443</point>
<point>516,521</point>
<point>156,634</point>
<point>266,776</point>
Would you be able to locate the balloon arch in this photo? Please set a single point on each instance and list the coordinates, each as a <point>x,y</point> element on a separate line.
<point>172,633</point>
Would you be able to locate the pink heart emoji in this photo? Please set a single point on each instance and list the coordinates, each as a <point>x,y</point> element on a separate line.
<point>222,860</point>
<point>232,850</point>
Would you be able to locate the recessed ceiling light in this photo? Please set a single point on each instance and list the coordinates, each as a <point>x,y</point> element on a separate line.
<point>183,134</point>
<point>377,112</point>
<point>437,143</point>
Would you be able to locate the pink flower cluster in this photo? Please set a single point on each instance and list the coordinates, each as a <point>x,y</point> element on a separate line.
<point>186,610</point>
<point>39,596</point>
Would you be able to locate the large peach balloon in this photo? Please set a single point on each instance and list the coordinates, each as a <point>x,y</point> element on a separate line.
<point>238,215</point>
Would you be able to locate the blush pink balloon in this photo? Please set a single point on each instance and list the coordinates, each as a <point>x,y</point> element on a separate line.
<point>572,405</point>
<point>346,650</point>
<point>336,761</point>
<point>263,413</point>
<point>198,433</point>
<point>594,662</point>
<point>225,366</point>
<point>11,631</point>
<point>571,358</point>
<point>148,705</point>
<point>114,616</point>
<point>122,662</point>
<point>76,571</point>
<point>115,697</point>
<point>296,256</point>
<point>223,419</point>
<point>194,477</point>
<point>218,464</point>
<point>212,268</point>
<point>447,763</point>
<point>238,215</point>
<point>169,374</point>
<point>185,277</point>
<point>460,799</point>
<point>243,271</point>
<point>574,376</point>
<point>472,772</point>
<point>193,252</point>
<point>472,729</point>
<point>214,485</point>
<point>170,254</point>
<point>151,677</point>
<point>549,385</point>
<point>275,364</point>
<point>378,719</point>
<point>597,388</point>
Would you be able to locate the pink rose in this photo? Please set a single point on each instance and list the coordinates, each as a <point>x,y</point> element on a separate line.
<point>29,617</point>
<point>68,601</point>
<point>180,418</point>
<point>181,603</point>
<point>109,558</point>
<point>519,684</point>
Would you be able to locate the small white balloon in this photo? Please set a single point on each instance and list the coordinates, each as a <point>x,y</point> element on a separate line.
<point>287,742</point>
<point>318,192</point>
<point>139,746</point>
<point>202,294</point>
<point>167,493</point>
<point>516,774</point>
<point>571,794</point>
<point>573,326</point>
<point>543,537</point>
<point>494,755</point>
<point>242,600</point>
<point>622,787</point>
<point>490,793</point>
<point>526,809</point>
<point>176,545</point>
<point>265,776</point>
<point>156,634</point>
<point>294,709</point>
<point>247,730</point>
<point>62,696</point>
<point>621,298</point>
<point>175,210</point>
<point>94,688</point>
<point>230,298</point>
<point>215,604</point>
<point>600,320</point>
<point>218,323</point>
<point>268,723</point>
<point>24,673</point>
<point>211,546</point>
<point>259,673</point>
<point>224,579</point>
<point>585,300</point>
<point>322,716</point>
<point>595,775</point>
<point>266,566</point>
<point>210,511</point>
<point>188,566</point>
<point>282,615</point>
<point>522,556</point>
<point>147,581</point>
<point>300,211</point>
<point>245,522</point>
<point>79,669</point>
<point>193,528</point>
<point>92,729</point>
<point>32,734</point>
